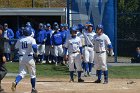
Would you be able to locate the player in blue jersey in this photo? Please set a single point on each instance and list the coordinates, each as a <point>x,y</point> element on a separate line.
<point>19,33</point>
<point>48,48</point>
<point>8,34</point>
<point>57,41</point>
<point>40,40</point>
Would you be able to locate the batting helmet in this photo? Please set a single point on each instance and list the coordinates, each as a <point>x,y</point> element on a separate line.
<point>48,25</point>
<point>41,25</point>
<point>100,26</point>
<point>80,27</point>
<point>88,23</point>
<point>61,25</point>
<point>65,25</point>
<point>55,24</point>
<point>28,24</point>
<point>27,31</point>
<point>74,29</point>
<point>55,27</point>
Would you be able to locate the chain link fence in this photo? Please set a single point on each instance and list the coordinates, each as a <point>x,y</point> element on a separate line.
<point>128,35</point>
<point>32,3</point>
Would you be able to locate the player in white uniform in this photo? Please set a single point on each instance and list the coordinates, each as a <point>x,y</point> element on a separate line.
<point>80,34</point>
<point>74,47</point>
<point>88,49</point>
<point>101,43</point>
<point>27,47</point>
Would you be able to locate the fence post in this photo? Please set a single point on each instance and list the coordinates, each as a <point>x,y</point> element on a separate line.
<point>68,12</point>
<point>33,3</point>
<point>115,29</point>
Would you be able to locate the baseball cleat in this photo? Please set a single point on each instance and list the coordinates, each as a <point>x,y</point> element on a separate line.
<point>13,88</point>
<point>97,81</point>
<point>105,82</point>
<point>71,80</point>
<point>90,73</point>
<point>80,80</point>
<point>85,74</point>
<point>34,91</point>
<point>1,90</point>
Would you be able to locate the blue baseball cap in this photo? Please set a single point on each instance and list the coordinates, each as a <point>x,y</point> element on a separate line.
<point>48,25</point>
<point>74,28</point>
<point>100,26</point>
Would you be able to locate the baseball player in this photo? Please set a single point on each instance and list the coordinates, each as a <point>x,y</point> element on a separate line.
<point>40,40</point>
<point>28,24</point>
<point>74,47</point>
<point>19,33</point>
<point>8,35</point>
<point>27,47</point>
<point>67,30</point>
<point>55,25</point>
<point>80,34</point>
<point>100,42</point>
<point>88,49</point>
<point>3,70</point>
<point>48,49</point>
<point>64,34</point>
<point>57,41</point>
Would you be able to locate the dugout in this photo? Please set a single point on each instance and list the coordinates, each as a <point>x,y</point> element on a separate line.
<point>17,17</point>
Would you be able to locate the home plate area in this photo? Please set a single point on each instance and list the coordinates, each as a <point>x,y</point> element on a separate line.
<point>60,85</point>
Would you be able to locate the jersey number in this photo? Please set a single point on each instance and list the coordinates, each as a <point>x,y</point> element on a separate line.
<point>24,44</point>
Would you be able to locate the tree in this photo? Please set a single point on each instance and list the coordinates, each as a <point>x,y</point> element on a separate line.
<point>128,19</point>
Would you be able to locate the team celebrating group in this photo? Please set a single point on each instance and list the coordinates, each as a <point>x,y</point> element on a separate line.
<point>79,46</point>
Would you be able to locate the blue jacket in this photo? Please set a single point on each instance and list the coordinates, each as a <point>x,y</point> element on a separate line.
<point>64,34</point>
<point>68,33</point>
<point>19,34</point>
<point>48,37</point>
<point>57,38</point>
<point>10,35</point>
<point>41,36</point>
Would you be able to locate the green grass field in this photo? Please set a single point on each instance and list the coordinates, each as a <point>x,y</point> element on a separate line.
<point>43,70</point>
<point>49,70</point>
<point>129,72</point>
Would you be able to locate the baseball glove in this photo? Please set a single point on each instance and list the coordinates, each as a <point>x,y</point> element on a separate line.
<point>110,52</point>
